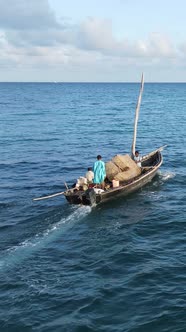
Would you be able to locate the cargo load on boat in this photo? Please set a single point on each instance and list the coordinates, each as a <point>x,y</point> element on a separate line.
<point>122,168</point>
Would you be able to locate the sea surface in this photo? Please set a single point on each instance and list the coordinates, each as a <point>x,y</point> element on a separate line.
<point>117,267</point>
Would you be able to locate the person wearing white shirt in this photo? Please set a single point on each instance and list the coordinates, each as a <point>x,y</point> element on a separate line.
<point>137,159</point>
<point>89,175</point>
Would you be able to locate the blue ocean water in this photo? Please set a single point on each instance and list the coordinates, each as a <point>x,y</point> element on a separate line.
<point>119,266</point>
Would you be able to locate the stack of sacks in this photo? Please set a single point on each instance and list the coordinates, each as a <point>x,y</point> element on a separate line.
<point>122,168</point>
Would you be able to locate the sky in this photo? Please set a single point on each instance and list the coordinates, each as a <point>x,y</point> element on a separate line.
<point>92,40</point>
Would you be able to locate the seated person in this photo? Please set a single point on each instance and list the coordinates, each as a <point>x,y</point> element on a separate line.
<point>137,158</point>
<point>89,175</point>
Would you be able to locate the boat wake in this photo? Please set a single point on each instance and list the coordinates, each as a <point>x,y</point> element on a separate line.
<point>165,176</point>
<point>16,254</point>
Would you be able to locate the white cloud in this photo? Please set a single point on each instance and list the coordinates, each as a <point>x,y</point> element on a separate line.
<point>31,37</point>
<point>25,15</point>
<point>95,34</point>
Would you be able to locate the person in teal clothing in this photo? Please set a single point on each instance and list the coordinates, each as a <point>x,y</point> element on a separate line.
<point>99,172</point>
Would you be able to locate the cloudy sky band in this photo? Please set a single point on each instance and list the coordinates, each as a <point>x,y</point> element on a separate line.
<point>113,40</point>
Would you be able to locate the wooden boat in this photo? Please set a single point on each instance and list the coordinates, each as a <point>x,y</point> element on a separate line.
<point>149,166</point>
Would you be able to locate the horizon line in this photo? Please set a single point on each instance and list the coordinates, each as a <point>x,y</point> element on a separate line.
<point>97,82</point>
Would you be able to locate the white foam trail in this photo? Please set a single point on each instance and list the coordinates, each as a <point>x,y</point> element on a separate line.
<point>167,175</point>
<point>26,248</point>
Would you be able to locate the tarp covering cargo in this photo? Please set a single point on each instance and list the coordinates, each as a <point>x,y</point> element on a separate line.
<point>111,170</point>
<point>122,168</point>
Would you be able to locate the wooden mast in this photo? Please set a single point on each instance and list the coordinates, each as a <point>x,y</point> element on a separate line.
<point>136,117</point>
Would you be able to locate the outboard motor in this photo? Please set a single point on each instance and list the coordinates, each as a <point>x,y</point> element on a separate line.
<point>90,196</point>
